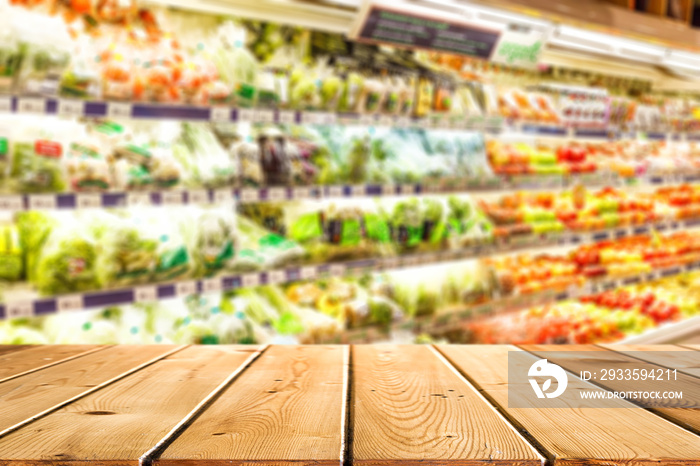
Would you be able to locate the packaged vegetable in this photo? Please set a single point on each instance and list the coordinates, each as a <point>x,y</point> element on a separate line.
<point>11,264</point>
<point>46,49</point>
<point>68,261</point>
<point>237,68</point>
<point>37,152</point>
<point>128,252</point>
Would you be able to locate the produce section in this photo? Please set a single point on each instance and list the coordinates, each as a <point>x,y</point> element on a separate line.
<point>182,177</point>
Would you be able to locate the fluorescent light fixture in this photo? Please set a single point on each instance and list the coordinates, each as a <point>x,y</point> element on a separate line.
<point>507,18</point>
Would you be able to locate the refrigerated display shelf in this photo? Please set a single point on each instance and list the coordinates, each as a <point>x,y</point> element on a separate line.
<point>102,298</point>
<point>670,333</point>
<point>69,201</point>
<point>455,319</point>
<point>492,125</point>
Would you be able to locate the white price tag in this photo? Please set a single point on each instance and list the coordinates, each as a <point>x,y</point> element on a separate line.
<point>71,108</point>
<point>276,194</point>
<point>11,203</point>
<point>388,189</point>
<point>410,261</point>
<point>307,273</point>
<point>143,294</point>
<point>187,288</point>
<point>335,191</point>
<point>199,196</point>
<point>358,190</point>
<point>220,114</point>
<point>88,201</point>
<point>301,193</point>
<point>211,285</point>
<point>366,120</point>
<point>407,189</point>
<point>329,118</point>
<point>42,201</point>
<point>337,270</point>
<point>5,104</point>
<point>246,114</point>
<point>250,279</point>
<point>403,122</point>
<point>386,120</point>
<point>430,258</point>
<point>119,110</point>
<point>275,277</point>
<point>72,302</point>
<point>223,196</point>
<point>249,195</point>
<point>287,117</point>
<point>171,198</point>
<point>31,105</point>
<point>135,199</point>
<point>265,116</point>
<point>19,309</point>
<point>390,263</point>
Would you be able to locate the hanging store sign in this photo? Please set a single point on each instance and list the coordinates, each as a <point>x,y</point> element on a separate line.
<point>519,48</point>
<point>379,23</point>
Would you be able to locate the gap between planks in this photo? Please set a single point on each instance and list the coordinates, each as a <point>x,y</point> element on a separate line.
<point>147,458</point>
<point>547,457</point>
<point>655,411</point>
<point>50,364</point>
<point>90,391</point>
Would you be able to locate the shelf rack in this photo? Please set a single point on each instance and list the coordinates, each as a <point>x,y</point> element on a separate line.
<point>146,293</point>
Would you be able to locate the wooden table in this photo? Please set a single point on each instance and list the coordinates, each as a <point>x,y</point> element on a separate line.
<point>318,405</point>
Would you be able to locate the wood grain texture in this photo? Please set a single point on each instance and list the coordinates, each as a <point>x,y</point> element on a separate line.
<point>120,422</point>
<point>31,358</point>
<point>684,360</point>
<point>4,349</point>
<point>577,436</point>
<point>576,358</point>
<point>286,408</point>
<point>30,394</point>
<point>412,408</point>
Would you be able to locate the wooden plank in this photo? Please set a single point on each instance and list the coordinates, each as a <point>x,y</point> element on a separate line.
<point>31,358</point>
<point>120,422</point>
<point>286,408</point>
<point>412,408</point>
<point>581,436</point>
<point>4,349</point>
<point>685,360</point>
<point>27,396</point>
<point>578,358</point>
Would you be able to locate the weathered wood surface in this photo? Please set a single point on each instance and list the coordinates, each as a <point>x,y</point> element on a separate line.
<point>597,436</point>
<point>321,405</point>
<point>24,397</point>
<point>287,409</point>
<point>412,407</point>
<point>577,358</point>
<point>30,358</point>
<point>123,420</point>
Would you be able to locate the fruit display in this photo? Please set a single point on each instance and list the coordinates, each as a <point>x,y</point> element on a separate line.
<point>575,210</point>
<point>626,159</point>
<point>606,317</point>
<point>527,273</point>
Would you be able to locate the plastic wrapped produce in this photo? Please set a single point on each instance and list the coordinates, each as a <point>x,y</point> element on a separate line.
<point>68,261</point>
<point>237,68</point>
<point>46,49</point>
<point>37,152</point>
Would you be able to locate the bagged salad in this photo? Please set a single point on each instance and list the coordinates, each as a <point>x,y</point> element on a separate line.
<point>37,152</point>
<point>68,260</point>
